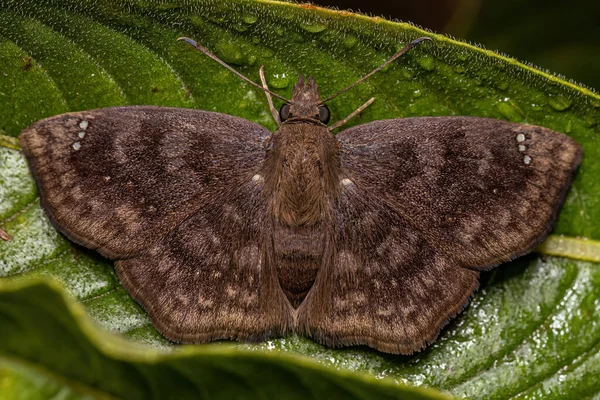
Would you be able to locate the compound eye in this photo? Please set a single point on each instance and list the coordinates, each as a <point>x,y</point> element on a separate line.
<point>324,114</point>
<point>284,112</point>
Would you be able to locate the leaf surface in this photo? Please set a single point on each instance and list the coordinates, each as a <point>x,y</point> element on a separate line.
<point>533,330</point>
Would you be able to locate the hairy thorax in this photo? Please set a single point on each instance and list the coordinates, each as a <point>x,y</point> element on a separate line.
<point>301,186</point>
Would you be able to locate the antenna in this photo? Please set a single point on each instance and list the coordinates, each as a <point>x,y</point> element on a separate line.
<point>392,58</point>
<point>217,59</point>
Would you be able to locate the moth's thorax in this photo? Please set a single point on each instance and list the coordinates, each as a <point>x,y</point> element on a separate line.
<point>301,176</point>
<point>302,173</point>
<point>305,99</point>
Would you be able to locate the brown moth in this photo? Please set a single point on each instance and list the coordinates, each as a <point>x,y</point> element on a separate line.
<point>223,230</point>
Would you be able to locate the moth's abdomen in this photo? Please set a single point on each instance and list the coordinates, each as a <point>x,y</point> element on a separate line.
<point>298,254</point>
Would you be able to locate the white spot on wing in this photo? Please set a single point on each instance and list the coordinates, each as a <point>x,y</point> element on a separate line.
<point>257,178</point>
<point>76,146</point>
<point>83,124</point>
<point>521,147</point>
<point>81,134</point>
<point>520,137</point>
<point>527,160</point>
<point>347,182</point>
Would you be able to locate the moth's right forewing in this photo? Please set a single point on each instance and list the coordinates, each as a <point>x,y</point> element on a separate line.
<point>482,190</point>
<point>117,179</point>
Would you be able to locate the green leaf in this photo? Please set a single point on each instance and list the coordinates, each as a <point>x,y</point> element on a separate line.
<point>532,330</point>
<point>91,363</point>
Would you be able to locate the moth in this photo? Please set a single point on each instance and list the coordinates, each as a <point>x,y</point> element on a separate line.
<point>375,236</point>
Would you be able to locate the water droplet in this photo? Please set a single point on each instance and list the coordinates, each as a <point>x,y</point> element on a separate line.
<point>509,110</point>
<point>459,69</point>
<point>559,103</point>
<point>278,81</point>
<point>426,62</point>
<point>217,18</point>
<point>255,40</point>
<point>250,19</point>
<point>350,41</point>
<point>240,27</point>
<point>234,54</point>
<point>462,56</point>
<point>407,73</point>
<point>196,21</point>
<point>228,52</point>
<point>313,26</point>
<point>502,85</point>
<point>266,53</point>
<point>417,93</point>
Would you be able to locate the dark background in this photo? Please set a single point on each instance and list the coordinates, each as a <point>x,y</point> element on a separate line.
<point>562,36</point>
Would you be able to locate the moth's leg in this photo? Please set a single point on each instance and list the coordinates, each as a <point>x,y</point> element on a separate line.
<point>274,112</point>
<point>5,236</point>
<point>352,115</point>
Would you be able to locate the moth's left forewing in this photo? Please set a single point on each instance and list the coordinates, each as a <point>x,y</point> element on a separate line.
<point>117,179</point>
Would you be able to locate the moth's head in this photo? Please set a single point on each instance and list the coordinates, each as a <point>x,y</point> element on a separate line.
<point>305,103</point>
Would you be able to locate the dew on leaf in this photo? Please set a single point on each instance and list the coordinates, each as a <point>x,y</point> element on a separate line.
<point>408,74</point>
<point>196,21</point>
<point>228,52</point>
<point>509,110</point>
<point>278,81</point>
<point>313,26</point>
<point>350,41</point>
<point>250,19</point>
<point>502,85</point>
<point>240,27</point>
<point>559,103</point>
<point>426,62</point>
